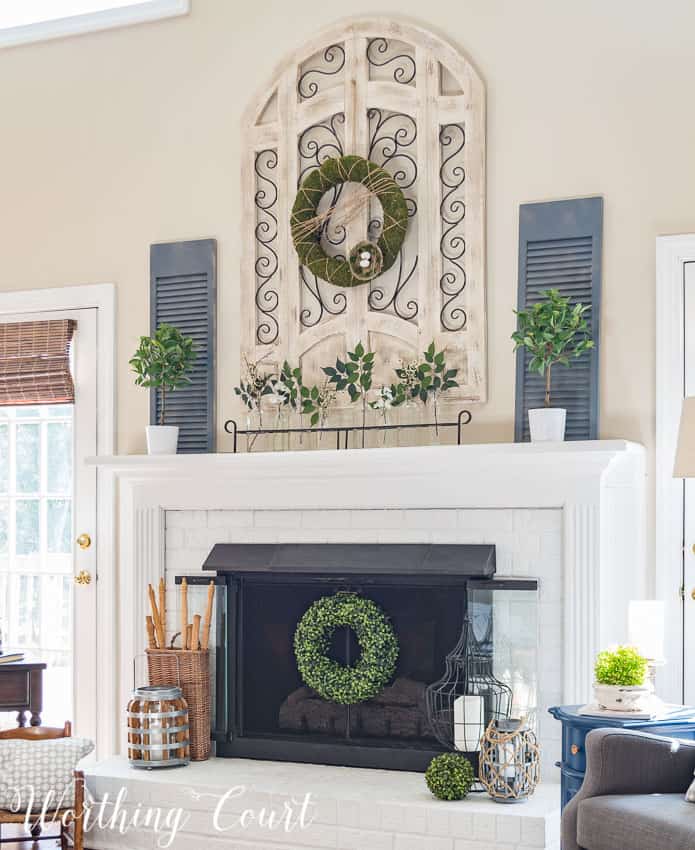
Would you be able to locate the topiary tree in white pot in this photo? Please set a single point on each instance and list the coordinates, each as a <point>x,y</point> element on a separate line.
<point>554,332</point>
<point>162,361</point>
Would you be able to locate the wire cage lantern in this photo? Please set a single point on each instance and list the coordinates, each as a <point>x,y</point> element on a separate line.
<point>468,697</point>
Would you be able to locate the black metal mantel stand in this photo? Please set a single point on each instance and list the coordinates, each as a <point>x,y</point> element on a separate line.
<point>342,432</point>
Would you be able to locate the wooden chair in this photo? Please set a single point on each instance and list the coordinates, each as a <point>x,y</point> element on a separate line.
<point>74,816</point>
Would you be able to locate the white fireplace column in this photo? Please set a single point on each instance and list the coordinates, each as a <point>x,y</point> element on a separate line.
<point>598,486</point>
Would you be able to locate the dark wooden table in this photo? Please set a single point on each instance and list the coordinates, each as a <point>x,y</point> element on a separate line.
<point>21,690</point>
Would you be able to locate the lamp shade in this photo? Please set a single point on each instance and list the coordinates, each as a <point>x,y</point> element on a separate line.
<point>685,452</point>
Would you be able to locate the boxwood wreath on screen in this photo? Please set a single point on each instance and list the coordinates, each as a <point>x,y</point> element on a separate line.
<point>375,635</point>
<point>366,260</point>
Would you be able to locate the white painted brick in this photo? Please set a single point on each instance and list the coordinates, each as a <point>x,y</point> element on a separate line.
<point>431,519</point>
<point>529,544</point>
<point>186,519</point>
<point>348,812</point>
<point>461,824</point>
<point>551,544</point>
<point>483,827</point>
<point>185,561</point>
<point>533,832</point>
<point>370,815</point>
<point>415,820</point>
<point>407,535</point>
<point>419,842</point>
<point>378,519</point>
<point>277,519</point>
<point>488,520</point>
<point>538,520</point>
<point>508,829</point>
<point>364,839</point>
<point>230,519</point>
<point>438,822</point>
<point>196,538</point>
<point>174,538</point>
<point>326,519</point>
<point>392,817</point>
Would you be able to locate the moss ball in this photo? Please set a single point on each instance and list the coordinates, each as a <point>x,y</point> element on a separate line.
<point>450,776</point>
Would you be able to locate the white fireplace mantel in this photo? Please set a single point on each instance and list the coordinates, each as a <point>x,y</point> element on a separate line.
<point>598,485</point>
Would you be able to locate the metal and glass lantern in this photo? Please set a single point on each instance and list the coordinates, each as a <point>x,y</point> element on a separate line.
<point>158,730</point>
<point>509,765</point>
<point>468,696</point>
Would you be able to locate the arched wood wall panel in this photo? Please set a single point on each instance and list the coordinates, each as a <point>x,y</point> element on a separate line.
<point>407,100</point>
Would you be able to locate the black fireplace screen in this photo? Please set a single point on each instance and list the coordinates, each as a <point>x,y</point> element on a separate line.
<point>265,710</point>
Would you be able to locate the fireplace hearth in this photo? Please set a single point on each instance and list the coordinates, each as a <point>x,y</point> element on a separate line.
<point>264,709</point>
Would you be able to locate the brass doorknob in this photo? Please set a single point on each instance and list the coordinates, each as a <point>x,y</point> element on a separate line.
<point>84,541</point>
<point>574,749</point>
<point>692,594</point>
<point>83,577</point>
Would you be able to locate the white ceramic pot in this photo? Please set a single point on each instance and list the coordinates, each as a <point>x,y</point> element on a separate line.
<point>621,698</point>
<point>162,439</point>
<point>547,424</point>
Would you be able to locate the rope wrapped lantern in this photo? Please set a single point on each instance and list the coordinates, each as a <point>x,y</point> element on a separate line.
<point>366,260</point>
<point>509,761</point>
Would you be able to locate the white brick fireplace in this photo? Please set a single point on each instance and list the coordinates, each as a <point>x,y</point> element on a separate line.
<point>570,515</point>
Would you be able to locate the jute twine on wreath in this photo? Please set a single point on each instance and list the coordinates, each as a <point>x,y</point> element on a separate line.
<point>306,222</point>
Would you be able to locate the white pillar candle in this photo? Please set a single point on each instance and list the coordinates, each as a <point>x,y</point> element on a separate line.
<point>469,723</point>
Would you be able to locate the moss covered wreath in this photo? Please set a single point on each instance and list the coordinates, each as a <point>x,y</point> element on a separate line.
<point>306,222</point>
<point>375,635</point>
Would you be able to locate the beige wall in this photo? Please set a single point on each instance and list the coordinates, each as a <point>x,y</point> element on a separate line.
<point>114,140</point>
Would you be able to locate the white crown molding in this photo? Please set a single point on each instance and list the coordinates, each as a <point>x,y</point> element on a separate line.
<point>138,13</point>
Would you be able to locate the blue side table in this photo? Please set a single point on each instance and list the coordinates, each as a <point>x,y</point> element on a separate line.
<point>576,727</point>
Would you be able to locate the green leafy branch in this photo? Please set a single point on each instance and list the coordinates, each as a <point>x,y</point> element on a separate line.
<point>162,361</point>
<point>317,401</point>
<point>552,331</point>
<point>429,378</point>
<point>355,376</point>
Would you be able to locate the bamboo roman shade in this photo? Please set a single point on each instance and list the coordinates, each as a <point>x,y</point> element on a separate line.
<point>35,362</point>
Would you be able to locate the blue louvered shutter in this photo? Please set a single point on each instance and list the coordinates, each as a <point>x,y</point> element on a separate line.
<point>183,294</point>
<point>560,248</point>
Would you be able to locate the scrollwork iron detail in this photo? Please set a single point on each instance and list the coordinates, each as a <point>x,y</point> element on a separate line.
<point>392,137</point>
<point>378,57</point>
<point>316,144</point>
<point>266,233</point>
<point>452,211</point>
<point>334,59</point>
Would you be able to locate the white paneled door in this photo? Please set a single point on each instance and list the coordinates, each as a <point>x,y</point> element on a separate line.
<point>689,492</point>
<point>47,534</point>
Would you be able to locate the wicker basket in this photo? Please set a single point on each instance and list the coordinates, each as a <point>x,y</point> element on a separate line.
<point>191,672</point>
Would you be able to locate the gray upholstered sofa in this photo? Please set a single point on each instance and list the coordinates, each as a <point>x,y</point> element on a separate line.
<point>633,795</point>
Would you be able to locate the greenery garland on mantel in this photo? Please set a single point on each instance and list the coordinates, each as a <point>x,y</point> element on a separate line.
<point>368,676</point>
<point>306,222</point>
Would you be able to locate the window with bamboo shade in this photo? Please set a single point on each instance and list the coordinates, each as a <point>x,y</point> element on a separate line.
<point>35,362</point>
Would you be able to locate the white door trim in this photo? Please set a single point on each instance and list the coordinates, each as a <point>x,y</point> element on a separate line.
<point>103,298</point>
<point>672,253</point>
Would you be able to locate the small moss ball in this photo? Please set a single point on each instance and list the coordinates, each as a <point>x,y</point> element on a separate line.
<point>450,776</point>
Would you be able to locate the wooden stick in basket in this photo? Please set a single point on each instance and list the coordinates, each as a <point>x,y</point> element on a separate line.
<point>205,639</point>
<point>151,640</point>
<point>161,639</point>
<point>195,635</point>
<point>163,605</point>
<point>189,636</point>
<point>184,613</point>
